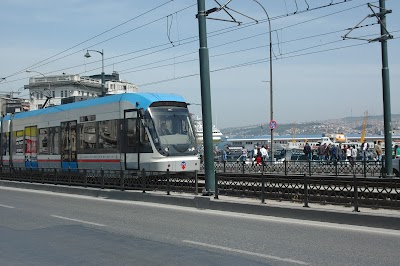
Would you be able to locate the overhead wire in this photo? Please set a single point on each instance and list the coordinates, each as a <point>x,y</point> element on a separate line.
<point>212,34</point>
<point>264,60</point>
<point>100,34</point>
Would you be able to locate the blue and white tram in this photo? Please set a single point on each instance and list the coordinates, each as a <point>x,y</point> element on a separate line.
<point>130,131</point>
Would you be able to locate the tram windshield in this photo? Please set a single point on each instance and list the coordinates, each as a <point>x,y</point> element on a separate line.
<point>171,130</point>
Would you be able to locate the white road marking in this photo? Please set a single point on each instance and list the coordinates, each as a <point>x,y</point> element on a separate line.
<point>308,223</point>
<point>6,206</point>
<point>245,252</point>
<point>76,220</point>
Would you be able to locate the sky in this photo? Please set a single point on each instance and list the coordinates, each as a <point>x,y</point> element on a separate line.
<point>154,44</point>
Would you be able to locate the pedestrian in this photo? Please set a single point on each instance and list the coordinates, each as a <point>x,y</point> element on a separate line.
<point>378,151</point>
<point>348,153</point>
<point>334,153</point>
<point>258,157</point>
<point>353,154</point>
<point>243,156</point>
<point>339,152</point>
<point>307,151</point>
<point>264,154</point>
<point>397,151</point>
<point>326,152</point>
<point>364,150</point>
<point>321,152</point>
<point>255,152</point>
<point>224,156</point>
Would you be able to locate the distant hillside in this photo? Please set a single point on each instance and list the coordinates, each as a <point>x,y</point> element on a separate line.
<point>347,125</point>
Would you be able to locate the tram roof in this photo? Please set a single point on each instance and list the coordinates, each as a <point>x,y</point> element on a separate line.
<point>144,100</point>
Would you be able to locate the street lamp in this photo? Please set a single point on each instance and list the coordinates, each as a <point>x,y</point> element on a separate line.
<point>87,55</point>
<point>270,80</point>
<point>48,97</point>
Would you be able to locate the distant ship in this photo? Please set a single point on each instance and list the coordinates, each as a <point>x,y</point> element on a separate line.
<point>198,129</point>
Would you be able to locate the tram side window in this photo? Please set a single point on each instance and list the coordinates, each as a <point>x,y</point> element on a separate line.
<point>144,140</point>
<point>88,137</point>
<point>43,141</point>
<point>17,146</point>
<point>131,137</point>
<point>53,143</point>
<point>108,136</point>
<point>30,143</point>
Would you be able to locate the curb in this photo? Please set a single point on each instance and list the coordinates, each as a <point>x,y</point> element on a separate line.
<point>208,203</point>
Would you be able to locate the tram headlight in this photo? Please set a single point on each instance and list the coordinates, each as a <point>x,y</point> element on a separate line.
<point>166,149</point>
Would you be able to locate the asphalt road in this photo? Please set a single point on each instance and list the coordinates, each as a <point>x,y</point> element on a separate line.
<point>42,228</point>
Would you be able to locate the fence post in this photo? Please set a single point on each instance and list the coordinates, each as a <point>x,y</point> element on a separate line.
<point>102,177</point>
<point>262,188</point>
<point>309,167</point>
<point>196,183</point>
<point>244,163</point>
<point>55,176</point>
<point>224,166</point>
<point>85,177</point>
<point>42,175</point>
<point>365,167</point>
<point>121,177</point>
<point>216,185</point>
<point>30,174</point>
<point>285,162</point>
<point>168,184</point>
<point>305,192</point>
<point>355,194</point>
<point>143,180</point>
<point>336,168</point>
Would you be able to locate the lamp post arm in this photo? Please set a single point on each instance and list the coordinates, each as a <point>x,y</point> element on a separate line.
<point>270,79</point>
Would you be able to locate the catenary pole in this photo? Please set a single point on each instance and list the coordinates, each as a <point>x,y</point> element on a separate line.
<point>271,101</point>
<point>386,91</point>
<point>206,99</point>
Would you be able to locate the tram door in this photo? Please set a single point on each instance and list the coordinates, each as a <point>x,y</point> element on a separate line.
<point>68,145</point>
<point>131,146</point>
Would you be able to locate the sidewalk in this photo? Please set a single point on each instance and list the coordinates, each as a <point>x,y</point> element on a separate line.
<point>377,218</point>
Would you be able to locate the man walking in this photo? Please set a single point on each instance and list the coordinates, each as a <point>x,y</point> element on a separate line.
<point>378,151</point>
<point>307,151</point>
<point>364,149</point>
<point>321,152</point>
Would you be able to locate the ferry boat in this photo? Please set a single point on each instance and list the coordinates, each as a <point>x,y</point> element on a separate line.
<point>198,129</point>
<point>298,142</point>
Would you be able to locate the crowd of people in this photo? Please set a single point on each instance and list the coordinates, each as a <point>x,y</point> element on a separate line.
<point>324,152</point>
<point>332,152</point>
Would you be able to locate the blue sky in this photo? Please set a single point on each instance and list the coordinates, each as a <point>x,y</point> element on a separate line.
<point>157,49</point>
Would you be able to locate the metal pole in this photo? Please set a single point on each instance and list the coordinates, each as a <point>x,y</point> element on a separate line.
<point>271,102</point>
<point>386,93</point>
<point>206,99</point>
<point>103,92</point>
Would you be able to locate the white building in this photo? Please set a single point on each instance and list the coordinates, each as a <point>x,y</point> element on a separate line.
<point>56,87</point>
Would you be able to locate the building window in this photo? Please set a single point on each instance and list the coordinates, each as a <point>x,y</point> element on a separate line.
<point>54,94</point>
<point>62,94</point>
<point>37,95</point>
<point>41,95</point>
<point>65,93</point>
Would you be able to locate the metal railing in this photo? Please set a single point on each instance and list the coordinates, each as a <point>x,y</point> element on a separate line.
<point>287,167</point>
<point>350,190</point>
<point>114,179</point>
